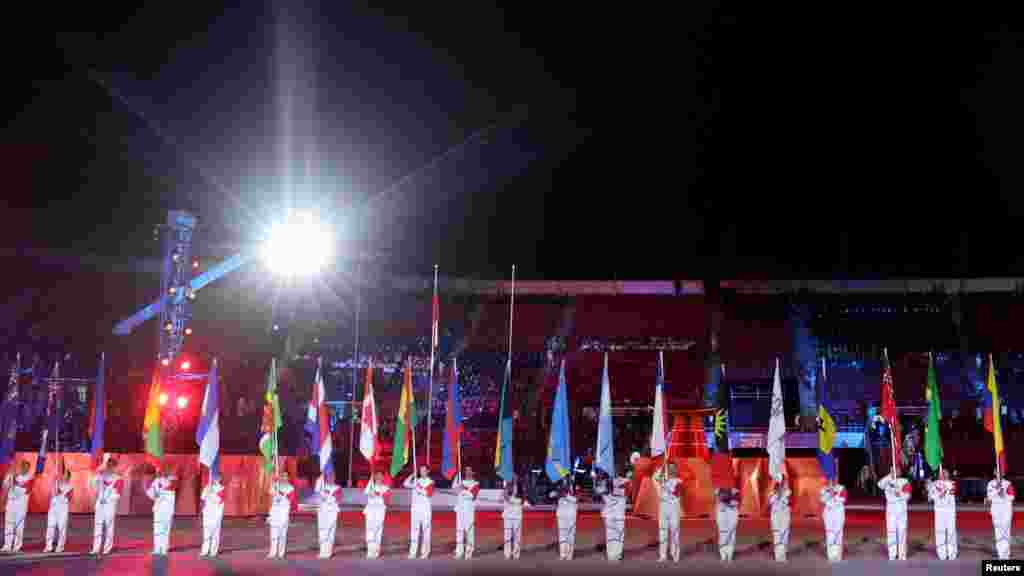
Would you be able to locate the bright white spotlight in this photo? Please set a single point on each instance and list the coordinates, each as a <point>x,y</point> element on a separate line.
<point>298,247</point>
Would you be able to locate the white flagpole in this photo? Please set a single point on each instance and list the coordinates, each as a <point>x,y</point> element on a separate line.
<point>434,337</point>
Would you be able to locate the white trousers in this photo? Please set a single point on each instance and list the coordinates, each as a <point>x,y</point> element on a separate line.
<point>780,532</point>
<point>566,536</point>
<point>327,525</point>
<point>163,519</point>
<point>726,518</point>
<point>212,522</point>
<point>668,532</point>
<point>279,519</point>
<point>465,531</point>
<point>56,526</point>
<point>946,545</point>
<point>420,522</point>
<point>374,530</point>
<point>14,525</point>
<point>103,528</point>
<point>835,520</point>
<point>615,535</point>
<point>896,530</point>
<point>513,537</point>
<point>1001,522</point>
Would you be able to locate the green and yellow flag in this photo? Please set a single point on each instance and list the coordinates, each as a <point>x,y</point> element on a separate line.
<point>151,425</point>
<point>932,439</point>
<point>405,428</point>
<point>271,421</point>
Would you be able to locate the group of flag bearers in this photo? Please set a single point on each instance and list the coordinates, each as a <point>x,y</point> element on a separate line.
<point>611,485</point>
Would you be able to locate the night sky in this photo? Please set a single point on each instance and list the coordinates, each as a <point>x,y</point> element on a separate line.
<point>587,143</point>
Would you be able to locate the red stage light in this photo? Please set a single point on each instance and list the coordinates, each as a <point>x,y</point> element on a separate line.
<point>165,361</point>
<point>182,402</point>
<point>188,331</point>
<point>186,365</point>
<point>195,264</point>
<point>163,398</point>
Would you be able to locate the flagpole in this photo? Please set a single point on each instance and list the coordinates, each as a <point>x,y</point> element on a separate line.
<point>412,427</point>
<point>506,393</point>
<point>434,337</point>
<point>996,413</point>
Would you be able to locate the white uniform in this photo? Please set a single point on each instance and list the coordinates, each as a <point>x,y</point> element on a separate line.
<point>834,515</point>
<point>213,517</point>
<point>18,488</point>
<point>670,491</point>
<point>57,516</point>
<point>465,517</point>
<point>512,516</point>
<point>943,494</point>
<point>327,515</point>
<point>108,486</point>
<point>897,493</point>
<point>376,508</point>
<point>422,510</point>
<point>614,513</point>
<point>282,497</point>
<point>1001,495</point>
<point>565,514</point>
<point>778,501</point>
<point>161,492</point>
<point>727,515</point>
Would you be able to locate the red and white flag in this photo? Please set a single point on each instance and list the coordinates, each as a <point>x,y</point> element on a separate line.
<point>368,421</point>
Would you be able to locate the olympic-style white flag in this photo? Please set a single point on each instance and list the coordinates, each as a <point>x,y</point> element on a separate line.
<point>777,430</point>
<point>658,447</point>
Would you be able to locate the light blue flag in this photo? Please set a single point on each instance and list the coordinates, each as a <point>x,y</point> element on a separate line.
<point>208,433</point>
<point>559,461</point>
<point>605,451</point>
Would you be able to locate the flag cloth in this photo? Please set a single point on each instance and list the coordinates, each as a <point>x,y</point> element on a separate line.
<point>889,414</point>
<point>503,448</point>
<point>405,426</point>
<point>932,438</point>
<point>826,430</point>
<point>435,324</point>
<point>271,422</point>
<point>605,449</point>
<point>98,416</point>
<point>10,416</point>
<point>994,415</point>
<point>151,425</point>
<point>52,420</point>
<point>559,461</point>
<point>452,449</point>
<point>208,432</point>
<point>368,420</point>
<point>658,435</point>
<point>777,430</point>
<point>722,474</point>
<point>318,424</point>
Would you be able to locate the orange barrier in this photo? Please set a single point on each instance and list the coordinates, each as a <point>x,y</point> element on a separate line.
<point>246,484</point>
<point>805,478</point>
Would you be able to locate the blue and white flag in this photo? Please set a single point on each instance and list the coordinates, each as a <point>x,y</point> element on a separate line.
<point>777,430</point>
<point>208,433</point>
<point>52,419</point>
<point>559,461</point>
<point>605,452</point>
<point>318,430</point>
<point>659,437</point>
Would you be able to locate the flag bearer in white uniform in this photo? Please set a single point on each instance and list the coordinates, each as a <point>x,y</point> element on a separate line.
<point>897,493</point>
<point>57,516</point>
<point>670,490</point>
<point>942,493</point>
<point>565,514</point>
<point>1000,495</point>
<point>108,485</point>
<point>422,510</point>
<point>18,486</point>
<point>162,492</point>
<point>778,501</point>
<point>833,496</point>
<point>467,490</point>
<point>282,500</point>
<point>613,510</point>
<point>213,516</point>
<point>727,516</point>
<point>330,496</point>
<point>378,493</point>
<point>512,517</point>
